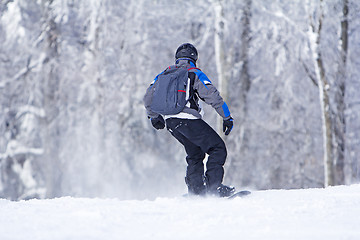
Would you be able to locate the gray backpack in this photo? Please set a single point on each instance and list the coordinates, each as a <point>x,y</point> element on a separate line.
<point>169,95</point>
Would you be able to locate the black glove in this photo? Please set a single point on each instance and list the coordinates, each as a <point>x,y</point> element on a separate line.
<point>228,125</point>
<point>158,122</point>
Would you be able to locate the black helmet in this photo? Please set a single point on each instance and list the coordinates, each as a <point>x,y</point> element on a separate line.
<point>186,50</point>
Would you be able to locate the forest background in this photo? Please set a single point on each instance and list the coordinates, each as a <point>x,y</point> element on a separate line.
<point>73,74</point>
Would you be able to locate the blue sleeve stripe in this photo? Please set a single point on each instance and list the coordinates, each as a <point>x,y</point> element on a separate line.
<point>226,109</point>
<point>202,77</point>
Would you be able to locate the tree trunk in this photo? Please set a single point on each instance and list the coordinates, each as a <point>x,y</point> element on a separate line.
<point>220,54</point>
<point>324,88</point>
<point>333,120</point>
<point>339,116</point>
<point>242,85</point>
<point>244,57</point>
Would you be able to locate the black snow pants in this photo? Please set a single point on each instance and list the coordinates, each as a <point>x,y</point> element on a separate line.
<point>199,138</point>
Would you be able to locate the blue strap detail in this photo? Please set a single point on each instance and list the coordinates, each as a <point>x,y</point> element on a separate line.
<point>226,110</point>
<point>156,78</point>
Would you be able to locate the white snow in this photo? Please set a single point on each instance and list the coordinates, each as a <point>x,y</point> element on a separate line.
<point>330,213</point>
<point>12,19</point>
<point>14,148</point>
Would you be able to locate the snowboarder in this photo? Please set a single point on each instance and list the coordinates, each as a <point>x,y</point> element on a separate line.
<point>192,131</point>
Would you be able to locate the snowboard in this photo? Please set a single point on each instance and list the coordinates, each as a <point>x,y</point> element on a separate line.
<point>239,194</point>
<point>234,195</point>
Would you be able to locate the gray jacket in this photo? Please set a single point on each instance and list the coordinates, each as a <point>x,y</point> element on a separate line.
<point>201,89</point>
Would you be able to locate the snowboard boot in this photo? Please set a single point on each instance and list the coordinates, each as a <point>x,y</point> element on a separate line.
<point>195,189</point>
<point>222,191</point>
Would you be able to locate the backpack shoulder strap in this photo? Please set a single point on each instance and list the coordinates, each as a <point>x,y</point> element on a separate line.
<point>191,68</point>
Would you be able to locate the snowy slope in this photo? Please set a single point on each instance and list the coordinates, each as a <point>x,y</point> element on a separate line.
<point>331,213</point>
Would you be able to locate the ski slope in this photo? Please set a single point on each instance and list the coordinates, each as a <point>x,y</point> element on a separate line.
<point>331,213</point>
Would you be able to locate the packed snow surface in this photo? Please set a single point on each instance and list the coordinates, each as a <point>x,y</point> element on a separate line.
<point>331,213</point>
